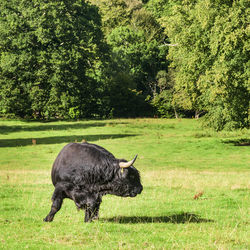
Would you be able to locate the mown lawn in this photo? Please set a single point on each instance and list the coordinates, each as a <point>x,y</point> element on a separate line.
<point>177,160</point>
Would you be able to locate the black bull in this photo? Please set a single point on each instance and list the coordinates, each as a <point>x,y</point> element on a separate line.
<point>84,172</point>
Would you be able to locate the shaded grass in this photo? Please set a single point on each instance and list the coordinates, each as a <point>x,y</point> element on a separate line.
<point>175,218</point>
<point>177,160</point>
<point>19,142</point>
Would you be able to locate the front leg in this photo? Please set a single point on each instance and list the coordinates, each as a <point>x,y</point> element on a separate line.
<point>88,213</point>
<point>96,212</point>
<point>92,209</point>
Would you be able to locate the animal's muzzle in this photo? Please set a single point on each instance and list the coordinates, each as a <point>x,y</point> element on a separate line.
<point>139,189</point>
<point>136,191</point>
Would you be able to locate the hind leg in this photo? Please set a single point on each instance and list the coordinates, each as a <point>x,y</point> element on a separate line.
<point>57,200</point>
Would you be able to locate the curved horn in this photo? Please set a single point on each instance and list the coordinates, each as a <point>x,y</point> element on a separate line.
<point>127,164</point>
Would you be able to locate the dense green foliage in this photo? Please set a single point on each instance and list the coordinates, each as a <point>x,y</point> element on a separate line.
<point>123,58</point>
<point>49,52</point>
<point>211,59</point>
<point>176,159</point>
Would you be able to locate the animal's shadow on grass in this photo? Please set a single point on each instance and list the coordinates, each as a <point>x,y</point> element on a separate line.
<point>238,142</point>
<point>174,218</point>
<point>59,139</point>
<point>53,127</point>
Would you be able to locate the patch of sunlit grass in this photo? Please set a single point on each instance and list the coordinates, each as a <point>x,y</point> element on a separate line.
<point>196,187</point>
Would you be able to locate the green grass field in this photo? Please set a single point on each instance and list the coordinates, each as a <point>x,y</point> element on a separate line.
<point>177,160</point>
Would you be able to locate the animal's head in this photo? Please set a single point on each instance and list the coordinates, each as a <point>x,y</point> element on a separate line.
<point>128,182</point>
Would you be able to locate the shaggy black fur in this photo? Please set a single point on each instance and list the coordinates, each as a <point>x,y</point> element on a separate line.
<point>85,172</point>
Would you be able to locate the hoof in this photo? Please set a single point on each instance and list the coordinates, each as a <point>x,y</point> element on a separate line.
<point>47,219</point>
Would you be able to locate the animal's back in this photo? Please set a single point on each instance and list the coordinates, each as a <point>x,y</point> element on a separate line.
<point>76,159</point>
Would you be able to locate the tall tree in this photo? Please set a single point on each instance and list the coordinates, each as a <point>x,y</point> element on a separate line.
<point>49,51</point>
<point>209,53</point>
<point>134,36</point>
<point>226,83</point>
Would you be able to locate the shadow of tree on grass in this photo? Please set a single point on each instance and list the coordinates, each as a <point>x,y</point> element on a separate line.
<point>59,139</point>
<point>238,142</point>
<point>55,127</point>
<point>174,218</point>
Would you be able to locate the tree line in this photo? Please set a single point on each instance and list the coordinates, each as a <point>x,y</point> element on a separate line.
<point>126,58</point>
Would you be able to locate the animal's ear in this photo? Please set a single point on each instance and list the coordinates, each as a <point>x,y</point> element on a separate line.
<point>127,164</point>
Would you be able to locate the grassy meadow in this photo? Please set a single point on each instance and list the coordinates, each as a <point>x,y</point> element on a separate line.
<point>178,160</point>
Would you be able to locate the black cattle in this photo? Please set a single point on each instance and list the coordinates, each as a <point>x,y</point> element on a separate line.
<point>85,172</point>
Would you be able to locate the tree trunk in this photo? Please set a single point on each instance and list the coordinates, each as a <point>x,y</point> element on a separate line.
<point>197,114</point>
<point>176,114</point>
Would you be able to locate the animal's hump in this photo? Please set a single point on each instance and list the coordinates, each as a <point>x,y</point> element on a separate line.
<point>98,148</point>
